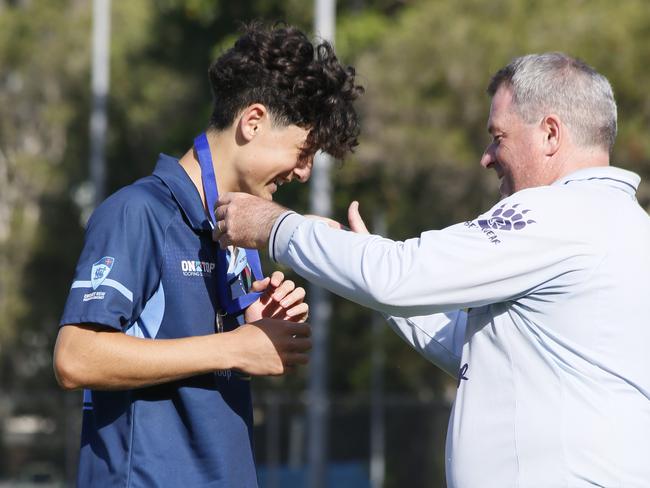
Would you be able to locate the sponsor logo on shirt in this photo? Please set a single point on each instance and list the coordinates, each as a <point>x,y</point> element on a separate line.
<point>196,268</point>
<point>506,217</point>
<point>100,271</point>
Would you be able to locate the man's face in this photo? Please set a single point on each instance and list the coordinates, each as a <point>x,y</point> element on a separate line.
<point>274,159</point>
<point>515,152</point>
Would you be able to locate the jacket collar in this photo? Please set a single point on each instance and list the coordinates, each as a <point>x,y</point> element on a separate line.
<point>608,175</point>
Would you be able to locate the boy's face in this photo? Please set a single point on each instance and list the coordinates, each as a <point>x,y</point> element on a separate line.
<point>274,157</point>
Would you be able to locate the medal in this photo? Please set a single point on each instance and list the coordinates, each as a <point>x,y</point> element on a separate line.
<point>227,269</point>
<point>218,322</point>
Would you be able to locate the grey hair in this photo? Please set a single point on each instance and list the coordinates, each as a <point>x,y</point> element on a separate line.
<point>556,83</point>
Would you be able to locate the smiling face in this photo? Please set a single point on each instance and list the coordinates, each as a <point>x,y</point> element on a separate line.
<point>274,157</point>
<point>265,153</point>
<point>516,151</point>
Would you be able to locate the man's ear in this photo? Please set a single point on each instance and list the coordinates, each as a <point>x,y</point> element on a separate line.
<point>553,132</point>
<point>251,121</point>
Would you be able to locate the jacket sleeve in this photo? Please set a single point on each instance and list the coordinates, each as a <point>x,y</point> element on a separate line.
<point>438,337</point>
<point>513,250</point>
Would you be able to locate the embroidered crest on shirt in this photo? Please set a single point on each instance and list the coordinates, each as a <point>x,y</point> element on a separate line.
<point>100,271</point>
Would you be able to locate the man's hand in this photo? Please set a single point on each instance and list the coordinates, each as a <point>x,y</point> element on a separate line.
<point>269,346</point>
<point>354,219</point>
<point>244,220</point>
<point>281,300</point>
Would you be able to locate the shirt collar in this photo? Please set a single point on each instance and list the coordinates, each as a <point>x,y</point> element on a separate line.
<point>183,190</point>
<point>609,175</point>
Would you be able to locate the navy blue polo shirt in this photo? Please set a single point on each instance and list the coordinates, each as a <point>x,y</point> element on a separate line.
<point>147,269</point>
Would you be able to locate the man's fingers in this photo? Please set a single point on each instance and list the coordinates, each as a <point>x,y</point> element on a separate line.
<point>220,226</point>
<point>216,231</point>
<point>220,211</point>
<point>354,218</point>
<point>220,233</point>
<point>224,199</point>
<point>224,241</point>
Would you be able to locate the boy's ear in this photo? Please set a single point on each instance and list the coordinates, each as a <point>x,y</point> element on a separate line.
<point>251,121</point>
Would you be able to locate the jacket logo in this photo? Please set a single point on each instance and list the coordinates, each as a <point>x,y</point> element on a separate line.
<point>504,218</point>
<point>100,271</point>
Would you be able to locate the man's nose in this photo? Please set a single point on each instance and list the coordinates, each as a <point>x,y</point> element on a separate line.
<point>488,158</point>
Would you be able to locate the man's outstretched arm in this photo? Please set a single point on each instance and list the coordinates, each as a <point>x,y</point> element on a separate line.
<point>438,337</point>
<point>470,264</point>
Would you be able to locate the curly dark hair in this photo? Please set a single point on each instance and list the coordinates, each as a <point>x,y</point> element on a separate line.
<point>299,83</point>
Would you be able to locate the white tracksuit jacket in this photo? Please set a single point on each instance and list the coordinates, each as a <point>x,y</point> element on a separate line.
<point>553,356</point>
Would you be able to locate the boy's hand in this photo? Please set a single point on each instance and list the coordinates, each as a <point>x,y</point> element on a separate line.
<point>281,300</point>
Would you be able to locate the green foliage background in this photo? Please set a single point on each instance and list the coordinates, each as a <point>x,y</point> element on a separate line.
<point>425,66</point>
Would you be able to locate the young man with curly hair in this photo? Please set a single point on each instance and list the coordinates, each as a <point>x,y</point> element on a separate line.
<point>177,412</point>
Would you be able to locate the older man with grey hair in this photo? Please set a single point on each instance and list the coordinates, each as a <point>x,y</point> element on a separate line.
<point>540,306</point>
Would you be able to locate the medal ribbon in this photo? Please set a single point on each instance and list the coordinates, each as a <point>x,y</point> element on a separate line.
<point>228,304</point>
